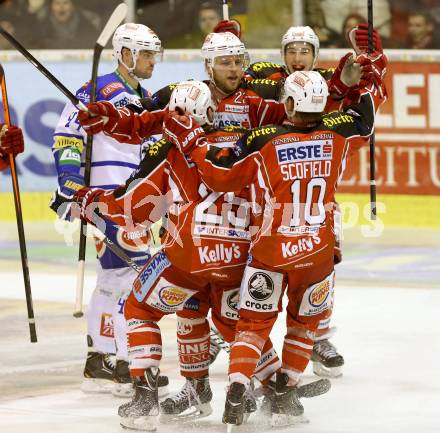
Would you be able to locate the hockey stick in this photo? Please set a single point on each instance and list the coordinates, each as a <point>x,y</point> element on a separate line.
<point>75,101</point>
<point>19,216</point>
<point>372,137</point>
<point>225,10</point>
<point>113,22</point>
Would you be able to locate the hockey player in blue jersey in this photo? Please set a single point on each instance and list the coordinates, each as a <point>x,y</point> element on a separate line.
<point>136,49</point>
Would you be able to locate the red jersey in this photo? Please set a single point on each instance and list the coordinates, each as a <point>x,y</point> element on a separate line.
<point>206,232</point>
<point>294,173</point>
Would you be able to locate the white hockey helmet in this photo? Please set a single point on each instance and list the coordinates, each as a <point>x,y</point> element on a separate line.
<point>308,89</point>
<point>300,34</point>
<point>135,37</point>
<point>222,44</point>
<point>193,97</point>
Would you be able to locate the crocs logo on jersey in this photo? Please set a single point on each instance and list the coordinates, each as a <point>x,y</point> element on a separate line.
<point>172,296</point>
<point>319,294</point>
<point>317,150</point>
<point>260,286</point>
<point>233,299</point>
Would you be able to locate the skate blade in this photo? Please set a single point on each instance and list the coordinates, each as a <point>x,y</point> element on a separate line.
<point>97,386</point>
<point>323,371</point>
<point>283,420</point>
<point>141,423</point>
<point>191,414</point>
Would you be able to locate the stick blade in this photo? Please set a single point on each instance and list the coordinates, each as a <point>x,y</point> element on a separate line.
<point>113,22</point>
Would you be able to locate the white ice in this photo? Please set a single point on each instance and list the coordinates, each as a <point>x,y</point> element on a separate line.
<point>391,383</point>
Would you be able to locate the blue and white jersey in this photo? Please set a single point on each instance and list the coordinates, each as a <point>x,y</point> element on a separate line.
<point>112,162</point>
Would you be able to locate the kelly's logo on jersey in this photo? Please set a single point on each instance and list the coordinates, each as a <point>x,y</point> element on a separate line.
<point>111,88</point>
<point>317,150</point>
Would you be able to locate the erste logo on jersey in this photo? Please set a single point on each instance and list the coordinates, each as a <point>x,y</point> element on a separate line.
<point>316,150</point>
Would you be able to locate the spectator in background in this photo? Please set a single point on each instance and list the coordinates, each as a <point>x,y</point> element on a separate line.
<point>421,32</point>
<point>67,26</point>
<point>315,18</point>
<point>207,17</point>
<point>14,19</point>
<point>350,21</point>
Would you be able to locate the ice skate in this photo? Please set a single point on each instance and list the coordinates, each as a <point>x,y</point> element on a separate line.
<point>141,413</point>
<point>214,349</point>
<point>286,406</point>
<point>191,402</point>
<point>234,412</point>
<point>124,387</point>
<point>98,373</point>
<point>327,362</point>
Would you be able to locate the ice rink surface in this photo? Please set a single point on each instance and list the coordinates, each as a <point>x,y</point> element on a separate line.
<point>387,309</point>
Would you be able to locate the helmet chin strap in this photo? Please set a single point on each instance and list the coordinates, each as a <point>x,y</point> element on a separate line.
<point>131,70</point>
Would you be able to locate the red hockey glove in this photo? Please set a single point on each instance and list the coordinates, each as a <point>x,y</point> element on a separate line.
<point>11,140</point>
<point>85,200</point>
<point>232,26</point>
<point>373,69</point>
<point>359,39</point>
<point>101,116</point>
<point>338,83</point>
<point>183,131</point>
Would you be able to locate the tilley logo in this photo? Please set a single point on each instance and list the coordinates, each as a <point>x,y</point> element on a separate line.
<point>260,286</point>
<point>172,296</point>
<point>318,150</point>
<point>320,293</point>
<point>219,253</point>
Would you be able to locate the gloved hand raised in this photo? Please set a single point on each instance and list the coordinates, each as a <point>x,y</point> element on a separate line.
<point>359,39</point>
<point>182,130</point>
<point>101,116</point>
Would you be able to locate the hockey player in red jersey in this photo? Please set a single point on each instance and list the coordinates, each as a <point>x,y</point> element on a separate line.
<point>300,52</point>
<point>11,143</point>
<point>294,169</point>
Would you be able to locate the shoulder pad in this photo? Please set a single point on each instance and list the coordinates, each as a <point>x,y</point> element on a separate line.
<point>266,89</point>
<point>264,69</point>
<point>338,121</point>
<point>326,73</point>
<point>161,98</point>
<point>256,138</point>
